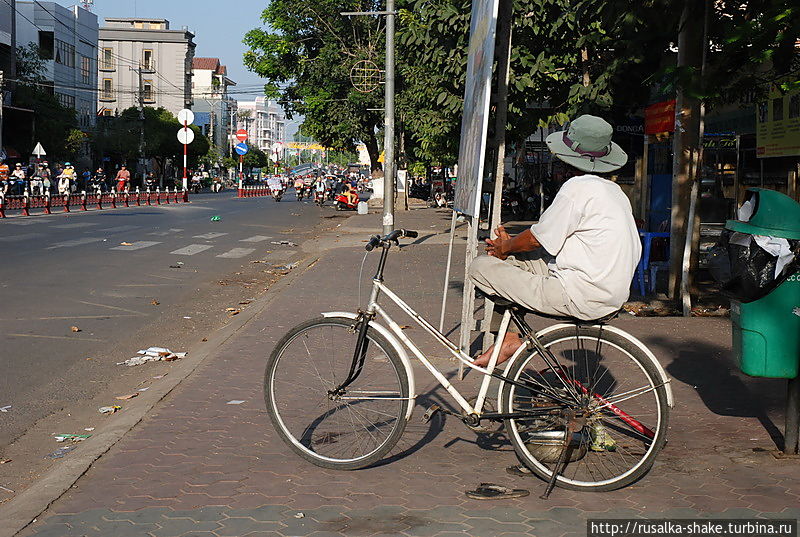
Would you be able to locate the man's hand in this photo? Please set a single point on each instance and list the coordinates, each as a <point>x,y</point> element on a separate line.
<point>495,247</point>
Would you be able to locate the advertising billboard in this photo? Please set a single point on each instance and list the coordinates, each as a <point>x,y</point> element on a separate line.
<point>778,124</point>
<point>472,146</point>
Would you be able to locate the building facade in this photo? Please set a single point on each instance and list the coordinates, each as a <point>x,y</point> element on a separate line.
<point>67,39</point>
<point>264,122</point>
<point>213,108</point>
<point>143,59</point>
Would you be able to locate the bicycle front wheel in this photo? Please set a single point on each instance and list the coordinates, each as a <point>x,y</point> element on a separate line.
<point>610,393</point>
<point>346,428</point>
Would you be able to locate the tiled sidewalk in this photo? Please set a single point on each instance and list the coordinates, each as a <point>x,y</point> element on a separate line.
<point>199,466</point>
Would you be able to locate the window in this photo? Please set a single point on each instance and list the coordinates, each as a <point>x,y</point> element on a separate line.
<point>65,53</point>
<point>147,60</point>
<point>106,112</point>
<point>86,70</point>
<point>107,59</point>
<point>66,100</point>
<point>46,44</point>
<point>107,91</point>
<point>148,94</point>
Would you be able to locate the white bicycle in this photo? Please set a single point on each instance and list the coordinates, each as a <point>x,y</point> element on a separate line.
<point>585,405</point>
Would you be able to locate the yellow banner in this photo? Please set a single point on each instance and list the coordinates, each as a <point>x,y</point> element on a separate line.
<point>778,124</point>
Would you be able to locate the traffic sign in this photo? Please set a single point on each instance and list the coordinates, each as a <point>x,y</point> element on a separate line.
<point>241,148</point>
<point>39,150</point>
<point>241,135</point>
<point>186,116</point>
<point>186,135</point>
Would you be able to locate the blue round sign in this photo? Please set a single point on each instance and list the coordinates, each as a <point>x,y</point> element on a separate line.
<point>241,148</point>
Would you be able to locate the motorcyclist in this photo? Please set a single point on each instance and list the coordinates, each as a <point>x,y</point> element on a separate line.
<point>18,175</point>
<point>36,182</point>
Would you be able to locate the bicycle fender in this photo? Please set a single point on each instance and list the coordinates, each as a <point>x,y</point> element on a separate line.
<point>401,352</point>
<point>619,332</point>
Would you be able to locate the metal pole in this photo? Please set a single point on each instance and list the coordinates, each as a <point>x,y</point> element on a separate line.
<point>141,119</point>
<point>790,444</point>
<point>185,153</point>
<point>447,271</point>
<point>388,143</point>
<point>2,100</point>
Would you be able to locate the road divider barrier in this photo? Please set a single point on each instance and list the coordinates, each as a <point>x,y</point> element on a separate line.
<point>84,201</point>
<point>256,191</point>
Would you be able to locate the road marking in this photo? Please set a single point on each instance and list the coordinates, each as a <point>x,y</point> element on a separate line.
<point>138,245</point>
<point>144,285</point>
<point>67,317</point>
<point>120,229</point>
<point>256,238</point>
<point>192,249</point>
<point>110,307</point>
<point>55,337</point>
<point>165,277</point>
<point>22,237</point>
<point>74,242</point>
<point>165,233</point>
<point>17,222</point>
<point>209,236</point>
<point>75,225</point>
<point>237,252</point>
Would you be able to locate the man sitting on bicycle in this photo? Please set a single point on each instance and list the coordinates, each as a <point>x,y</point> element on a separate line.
<point>579,258</point>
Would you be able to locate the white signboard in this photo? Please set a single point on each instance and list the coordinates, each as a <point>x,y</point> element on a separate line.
<point>186,116</point>
<point>186,135</point>
<point>472,148</point>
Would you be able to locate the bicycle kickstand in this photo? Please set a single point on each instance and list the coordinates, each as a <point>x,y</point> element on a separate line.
<point>562,460</point>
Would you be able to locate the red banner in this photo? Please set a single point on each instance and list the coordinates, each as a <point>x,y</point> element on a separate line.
<point>660,117</point>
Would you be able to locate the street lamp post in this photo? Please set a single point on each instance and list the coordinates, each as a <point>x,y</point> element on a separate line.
<point>388,140</point>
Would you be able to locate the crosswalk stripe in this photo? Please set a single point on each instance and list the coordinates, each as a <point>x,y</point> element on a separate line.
<point>74,242</point>
<point>209,236</point>
<point>192,249</point>
<point>119,229</point>
<point>138,245</point>
<point>237,252</point>
<point>165,233</point>
<point>21,237</point>
<point>256,238</point>
<point>75,225</point>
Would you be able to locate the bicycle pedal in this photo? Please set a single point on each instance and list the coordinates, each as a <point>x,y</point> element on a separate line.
<point>432,410</point>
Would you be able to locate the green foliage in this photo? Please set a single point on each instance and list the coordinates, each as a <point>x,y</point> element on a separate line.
<point>307,55</point>
<point>54,122</point>
<point>255,158</point>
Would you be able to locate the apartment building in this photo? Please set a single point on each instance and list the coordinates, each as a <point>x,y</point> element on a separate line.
<point>265,123</point>
<point>67,38</point>
<point>144,57</point>
<point>8,40</point>
<point>213,108</point>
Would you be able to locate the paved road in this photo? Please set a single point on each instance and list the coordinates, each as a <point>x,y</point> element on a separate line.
<point>69,270</point>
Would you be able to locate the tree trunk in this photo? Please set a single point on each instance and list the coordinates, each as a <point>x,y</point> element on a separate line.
<point>372,149</point>
<point>686,143</point>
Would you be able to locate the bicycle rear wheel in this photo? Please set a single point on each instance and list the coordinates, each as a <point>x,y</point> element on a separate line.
<point>347,430</point>
<point>611,392</point>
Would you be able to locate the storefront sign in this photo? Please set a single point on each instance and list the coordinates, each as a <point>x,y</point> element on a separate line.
<point>778,124</point>
<point>660,117</point>
<point>719,141</point>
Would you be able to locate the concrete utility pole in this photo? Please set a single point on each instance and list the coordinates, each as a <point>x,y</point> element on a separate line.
<point>141,122</point>
<point>388,141</point>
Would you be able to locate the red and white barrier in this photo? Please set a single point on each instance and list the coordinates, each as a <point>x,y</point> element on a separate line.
<point>256,191</point>
<point>85,201</point>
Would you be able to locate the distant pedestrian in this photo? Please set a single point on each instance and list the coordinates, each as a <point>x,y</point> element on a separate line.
<point>86,180</point>
<point>123,177</point>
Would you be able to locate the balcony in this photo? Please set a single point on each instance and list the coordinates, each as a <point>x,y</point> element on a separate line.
<point>148,66</point>
<point>107,96</point>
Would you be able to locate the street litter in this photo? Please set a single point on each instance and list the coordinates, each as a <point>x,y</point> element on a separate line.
<point>405,327</point>
<point>108,409</point>
<point>235,402</point>
<point>289,266</point>
<point>233,311</point>
<point>155,302</point>
<point>60,452</point>
<point>245,302</point>
<point>7,490</point>
<point>125,244</point>
<point>5,461</point>
<point>287,243</point>
<point>153,354</point>
<point>144,389</point>
<point>796,311</point>
<point>216,218</point>
<point>174,266</point>
<point>5,408</point>
<point>90,429</point>
<point>160,376</point>
<point>300,515</point>
<point>74,328</point>
<point>73,437</point>
<point>126,397</point>
<point>185,317</point>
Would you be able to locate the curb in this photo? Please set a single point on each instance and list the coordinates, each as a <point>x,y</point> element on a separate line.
<point>23,510</point>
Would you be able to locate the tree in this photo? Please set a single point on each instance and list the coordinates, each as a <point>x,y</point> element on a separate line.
<point>54,122</point>
<point>255,158</point>
<point>308,55</point>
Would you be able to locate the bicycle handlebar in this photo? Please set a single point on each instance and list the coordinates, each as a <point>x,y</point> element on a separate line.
<point>376,240</point>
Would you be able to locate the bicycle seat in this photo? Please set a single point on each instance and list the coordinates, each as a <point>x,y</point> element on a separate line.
<point>501,302</point>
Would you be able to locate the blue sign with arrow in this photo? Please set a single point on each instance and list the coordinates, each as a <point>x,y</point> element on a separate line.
<point>241,148</point>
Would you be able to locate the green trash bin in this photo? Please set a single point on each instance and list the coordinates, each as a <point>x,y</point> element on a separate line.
<point>766,332</point>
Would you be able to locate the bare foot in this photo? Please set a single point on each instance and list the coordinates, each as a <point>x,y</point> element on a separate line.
<point>510,344</point>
